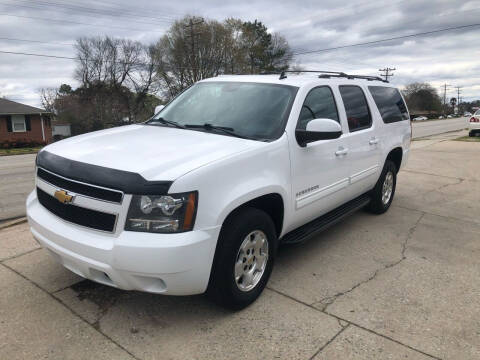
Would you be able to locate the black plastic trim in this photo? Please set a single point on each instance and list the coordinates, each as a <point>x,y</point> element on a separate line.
<point>78,215</point>
<point>126,181</point>
<point>80,188</point>
<point>323,222</point>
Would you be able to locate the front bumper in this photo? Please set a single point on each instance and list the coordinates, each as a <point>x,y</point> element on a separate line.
<point>175,264</point>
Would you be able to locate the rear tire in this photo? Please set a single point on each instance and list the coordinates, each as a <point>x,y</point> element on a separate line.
<point>242,266</point>
<point>383,192</point>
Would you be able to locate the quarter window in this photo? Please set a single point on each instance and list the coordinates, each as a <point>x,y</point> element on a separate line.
<point>319,104</point>
<point>390,103</point>
<point>18,123</point>
<point>356,107</point>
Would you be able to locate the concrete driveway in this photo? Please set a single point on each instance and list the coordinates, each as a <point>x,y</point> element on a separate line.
<point>403,285</point>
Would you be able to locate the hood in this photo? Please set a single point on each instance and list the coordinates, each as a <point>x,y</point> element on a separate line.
<point>154,152</point>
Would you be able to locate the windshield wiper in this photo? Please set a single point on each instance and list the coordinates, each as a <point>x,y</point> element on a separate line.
<point>227,130</point>
<point>167,122</point>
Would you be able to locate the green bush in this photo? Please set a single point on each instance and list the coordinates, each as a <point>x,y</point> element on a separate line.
<point>21,143</point>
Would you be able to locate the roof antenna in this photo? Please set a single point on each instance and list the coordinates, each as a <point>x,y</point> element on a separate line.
<point>283,75</point>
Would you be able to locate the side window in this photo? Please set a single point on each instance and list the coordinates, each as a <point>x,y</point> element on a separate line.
<point>356,107</point>
<point>319,103</point>
<point>390,103</point>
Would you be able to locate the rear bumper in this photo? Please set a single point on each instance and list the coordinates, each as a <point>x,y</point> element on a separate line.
<point>176,264</point>
<point>474,125</point>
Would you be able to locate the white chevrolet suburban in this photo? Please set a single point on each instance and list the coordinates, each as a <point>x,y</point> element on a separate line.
<point>198,198</point>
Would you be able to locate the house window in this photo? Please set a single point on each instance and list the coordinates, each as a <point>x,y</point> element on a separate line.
<point>18,123</point>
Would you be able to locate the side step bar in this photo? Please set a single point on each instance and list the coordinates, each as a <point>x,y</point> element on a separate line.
<point>323,222</point>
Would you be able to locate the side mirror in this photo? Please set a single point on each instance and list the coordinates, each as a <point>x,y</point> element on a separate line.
<point>318,129</point>
<point>158,108</point>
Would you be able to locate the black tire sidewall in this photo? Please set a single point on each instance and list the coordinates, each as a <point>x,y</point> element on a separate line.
<point>376,205</point>
<point>222,281</point>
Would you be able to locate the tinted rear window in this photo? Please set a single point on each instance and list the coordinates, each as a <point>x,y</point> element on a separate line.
<point>356,107</point>
<point>389,103</point>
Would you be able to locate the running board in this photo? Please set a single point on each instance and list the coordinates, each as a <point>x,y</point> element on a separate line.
<point>323,222</point>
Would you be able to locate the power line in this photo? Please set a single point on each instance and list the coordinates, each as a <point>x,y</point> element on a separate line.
<point>78,23</point>
<point>387,72</point>
<point>114,5</point>
<point>38,55</point>
<point>78,58</point>
<point>388,39</point>
<point>47,5</point>
<point>36,41</point>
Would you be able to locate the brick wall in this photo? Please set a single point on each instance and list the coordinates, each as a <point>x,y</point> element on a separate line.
<point>34,134</point>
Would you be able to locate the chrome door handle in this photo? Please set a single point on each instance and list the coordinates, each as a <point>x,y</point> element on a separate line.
<point>373,141</point>
<point>341,151</point>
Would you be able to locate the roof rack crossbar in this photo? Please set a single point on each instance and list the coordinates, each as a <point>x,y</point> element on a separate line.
<point>329,74</point>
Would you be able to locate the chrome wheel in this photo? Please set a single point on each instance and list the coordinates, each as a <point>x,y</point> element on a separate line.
<point>251,260</point>
<point>387,188</point>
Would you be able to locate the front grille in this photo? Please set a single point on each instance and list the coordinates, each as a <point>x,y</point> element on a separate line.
<point>80,188</point>
<point>78,215</point>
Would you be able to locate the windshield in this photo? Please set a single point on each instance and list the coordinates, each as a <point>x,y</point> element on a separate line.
<point>477,112</point>
<point>251,110</point>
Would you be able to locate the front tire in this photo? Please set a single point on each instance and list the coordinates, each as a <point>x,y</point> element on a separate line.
<point>383,192</point>
<point>243,259</point>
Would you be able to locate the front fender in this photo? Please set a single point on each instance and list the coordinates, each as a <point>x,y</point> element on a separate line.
<point>228,183</point>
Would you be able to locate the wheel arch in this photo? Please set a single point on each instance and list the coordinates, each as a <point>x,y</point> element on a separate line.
<point>271,203</point>
<point>395,155</point>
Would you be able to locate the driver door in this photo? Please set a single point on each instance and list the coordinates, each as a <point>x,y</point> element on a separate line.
<point>320,170</point>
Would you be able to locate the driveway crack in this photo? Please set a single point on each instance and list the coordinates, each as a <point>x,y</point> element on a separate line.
<point>324,303</point>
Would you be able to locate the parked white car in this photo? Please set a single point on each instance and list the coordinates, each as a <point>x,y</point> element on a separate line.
<point>198,198</point>
<point>474,124</point>
<point>420,118</point>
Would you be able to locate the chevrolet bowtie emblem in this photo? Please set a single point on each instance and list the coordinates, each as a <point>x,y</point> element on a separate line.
<point>63,197</point>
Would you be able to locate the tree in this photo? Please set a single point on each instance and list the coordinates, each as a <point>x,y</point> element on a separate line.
<point>195,48</point>
<point>120,77</point>
<point>422,97</point>
<point>117,75</point>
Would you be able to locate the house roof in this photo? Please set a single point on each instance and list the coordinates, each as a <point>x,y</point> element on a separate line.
<point>9,107</point>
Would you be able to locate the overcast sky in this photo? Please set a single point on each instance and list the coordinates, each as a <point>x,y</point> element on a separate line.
<point>451,57</point>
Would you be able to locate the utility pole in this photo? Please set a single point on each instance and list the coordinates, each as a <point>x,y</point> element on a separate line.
<point>445,97</point>
<point>458,97</point>
<point>192,35</point>
<point>387,72</point>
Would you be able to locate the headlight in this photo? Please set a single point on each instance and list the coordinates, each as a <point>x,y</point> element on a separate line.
<point>162,213</point>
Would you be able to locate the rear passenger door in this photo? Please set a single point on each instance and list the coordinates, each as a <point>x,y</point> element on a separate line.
<point>364,152</point>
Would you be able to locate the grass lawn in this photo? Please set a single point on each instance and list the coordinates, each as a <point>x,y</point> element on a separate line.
<point>469,138</point>
<point>19,151</point>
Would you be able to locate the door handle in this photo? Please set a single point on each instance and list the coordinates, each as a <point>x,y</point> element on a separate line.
<point>373,141</point>
<point>341,151</point>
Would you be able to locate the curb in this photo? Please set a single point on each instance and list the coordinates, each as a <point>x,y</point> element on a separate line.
<point>14,222</point>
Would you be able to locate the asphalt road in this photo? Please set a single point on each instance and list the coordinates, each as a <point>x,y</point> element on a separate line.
<point>16,182</point>
<point>16,172</point>
<point>427,128</point>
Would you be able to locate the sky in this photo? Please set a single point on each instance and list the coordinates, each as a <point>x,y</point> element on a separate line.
<point>452,57</point>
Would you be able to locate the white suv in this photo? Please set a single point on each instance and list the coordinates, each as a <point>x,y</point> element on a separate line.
<point>198,198</point>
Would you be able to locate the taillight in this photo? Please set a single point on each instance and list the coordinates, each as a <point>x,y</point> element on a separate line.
<point>474,119</point>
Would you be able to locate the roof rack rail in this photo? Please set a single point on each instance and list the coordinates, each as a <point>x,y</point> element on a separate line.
<point>329,74</point>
